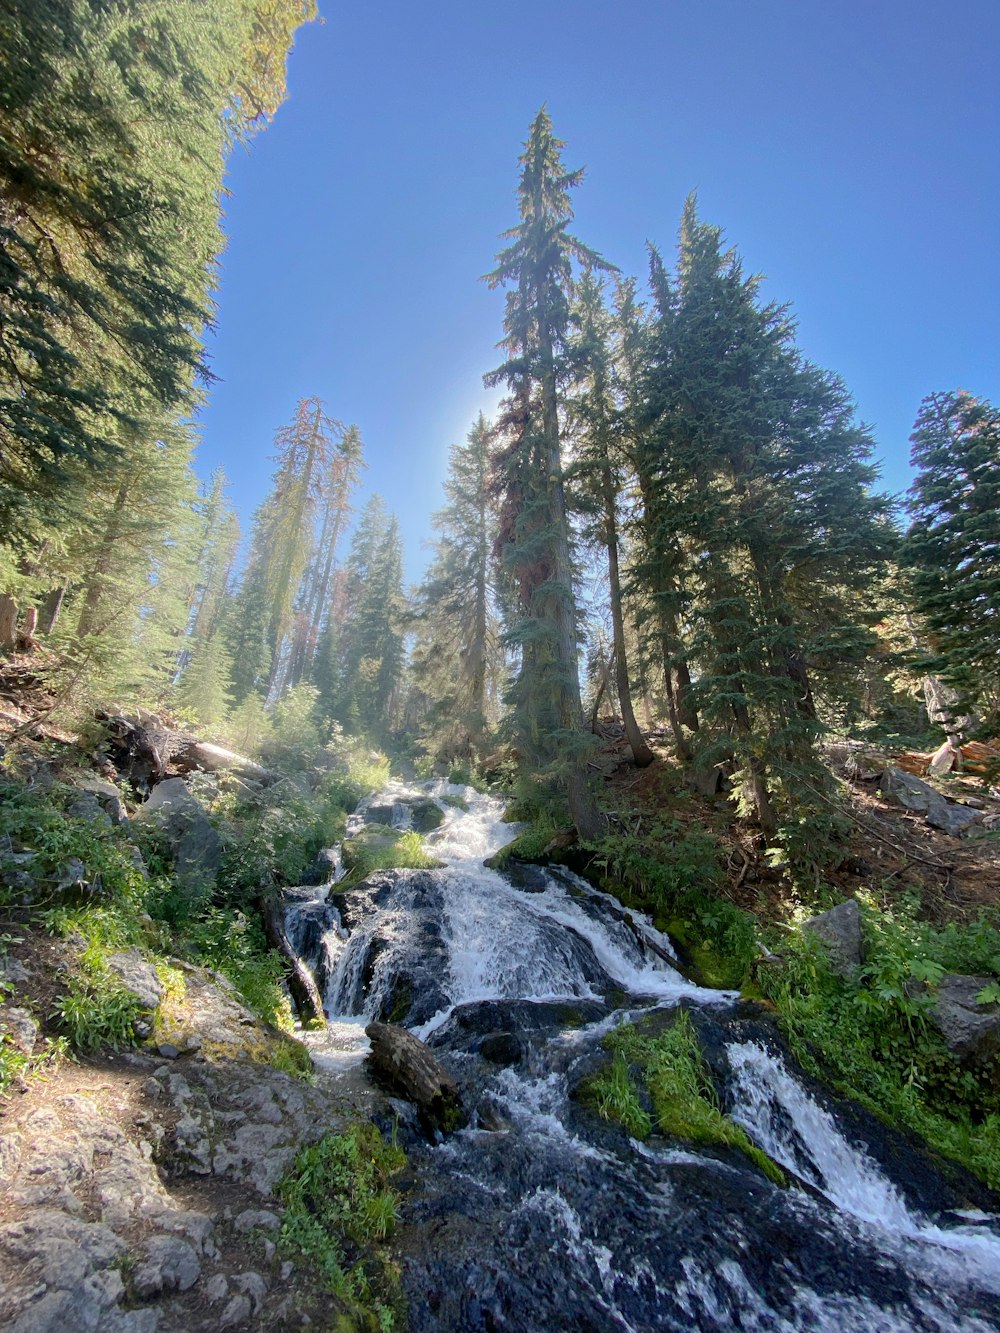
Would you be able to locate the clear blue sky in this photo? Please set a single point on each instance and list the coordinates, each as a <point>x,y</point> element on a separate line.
<point>849,150</point>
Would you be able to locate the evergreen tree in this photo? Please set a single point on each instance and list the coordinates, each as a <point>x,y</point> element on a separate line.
<point>538,268</point>
<point>759,477</point>
<point>601,469</point>
<point>114,120</point>
<point>204,687</point>
<point>952,550</point>
<point>361,662</point>
<point>457,658</point>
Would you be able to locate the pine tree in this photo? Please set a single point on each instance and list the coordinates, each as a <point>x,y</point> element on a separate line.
<point>538,266</point>
<point>759,478</point>
<point>360,662</point>
<point>457,658</point>
<point>952,549</point>
<point>601,468</point>
<point>114,120</point>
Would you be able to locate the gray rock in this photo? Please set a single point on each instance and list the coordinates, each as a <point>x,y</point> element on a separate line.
<point>13,971</point>
<point>138,976</point>
<point>171,1265</point>
<point>953,818</point>
<point>216,1288</point>
<point>11,1152</point>
<point>168,1050</point>
<point>257,1217</point>
<point>919,797</point>
<point>87,807</point>
<point>21,1027</point>
<point>426,815</point>
<point>238,1311</point>
<point>195,845</point>
<point>707,781</point>
<point>252,1285</point>
<point>71,875</point>
<point>969,1028</point>
<point>108,796</point>
<point>840,931</point>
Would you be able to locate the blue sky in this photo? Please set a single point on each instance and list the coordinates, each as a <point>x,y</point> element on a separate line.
<point>849,151</point>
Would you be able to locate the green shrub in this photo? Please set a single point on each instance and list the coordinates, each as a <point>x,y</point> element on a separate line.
<point>96,1010</point>
<point>235,945</point>
<point>339,1207</point>
<point>407,852</point>
<point>869,1036</point>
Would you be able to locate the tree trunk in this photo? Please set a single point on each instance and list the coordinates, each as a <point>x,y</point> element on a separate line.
<point>51,607</point>
<point>300,980</point>
<point>681,746</point>
<point>102,565</point>
<point>8,623</point>
<point>641,752</point>
<point>590,822</point>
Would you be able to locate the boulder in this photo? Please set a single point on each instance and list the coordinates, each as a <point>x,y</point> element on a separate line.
<point>107,795</point>
<point>410,1069</point>
<point>911,793</point>
<point>426,815</point>
<point>194,843</point>
<point>370,837</point>
<point>969,1029</point>
<point>138,976</point>
<point>840,931</point>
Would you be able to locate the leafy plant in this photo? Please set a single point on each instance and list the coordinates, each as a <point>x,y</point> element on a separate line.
<point>339,1206</point>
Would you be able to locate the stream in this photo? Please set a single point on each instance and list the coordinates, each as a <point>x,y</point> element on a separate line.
<point>540,1216</point>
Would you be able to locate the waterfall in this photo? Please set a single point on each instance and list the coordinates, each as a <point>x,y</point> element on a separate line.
<point>540,1217</point>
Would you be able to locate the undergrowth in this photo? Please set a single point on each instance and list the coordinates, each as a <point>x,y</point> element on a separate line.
<point>340,1207</point>
<point>871,1037</point>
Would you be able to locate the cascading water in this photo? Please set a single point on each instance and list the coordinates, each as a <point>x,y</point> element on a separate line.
<point>541,1217</point>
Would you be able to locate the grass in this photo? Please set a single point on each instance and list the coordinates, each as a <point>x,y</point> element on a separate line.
<point>870,1037</point>
<point>340,1207</point>
<point>685,1105</point>
<point>407,852</point>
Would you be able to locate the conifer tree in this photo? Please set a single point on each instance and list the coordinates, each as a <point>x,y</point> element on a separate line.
<point>600,467</point>
<point>759,478</point>
<point>360,664</point>
<point>457,657</point>
<point>537,266</point>
<point>952,550</point>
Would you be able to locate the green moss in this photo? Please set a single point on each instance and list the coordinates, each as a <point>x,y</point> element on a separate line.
<point>384,849</point>
<point>685,1105</point>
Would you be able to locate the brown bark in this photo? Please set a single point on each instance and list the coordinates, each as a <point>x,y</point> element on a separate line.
<point>304,991</point>
<point>51,607</point>
<point>8,623</point>
<point>411,1070</point>
<point>641,752</point>
<point>590,821</point>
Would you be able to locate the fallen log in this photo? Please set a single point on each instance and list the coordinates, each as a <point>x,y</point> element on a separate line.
<point>304,991</point>
<point>147,749</point>
<point>410,1069</point>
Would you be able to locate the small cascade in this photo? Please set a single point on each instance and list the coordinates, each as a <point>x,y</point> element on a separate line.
<point>550,1218</point>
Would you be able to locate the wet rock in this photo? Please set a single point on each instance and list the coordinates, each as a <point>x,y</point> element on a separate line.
<point>171,1265</point>
<point>408,1066</point>
<point>501,1048</point>
<point>371,839</point>
<point>195,845</point>
<point>426,815</point>
<point>524,875</point>
<point>138,976</point>
<point>840,931</point>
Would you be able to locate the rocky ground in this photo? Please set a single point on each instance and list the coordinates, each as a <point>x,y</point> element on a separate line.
<point>138,1188</point>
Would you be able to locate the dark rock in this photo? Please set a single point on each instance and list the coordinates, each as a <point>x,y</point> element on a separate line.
<point>87,808</point>
<point>108,796</point>
<point>970,1029</point>
<point>840,931</point>
<point>196,846</point>
<point>501,1048</point>
<point>408,1067</point>
<point>524,875</point>
<point>426,815</point>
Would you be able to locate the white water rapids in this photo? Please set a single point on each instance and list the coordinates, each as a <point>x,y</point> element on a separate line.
<point>648,1236</point>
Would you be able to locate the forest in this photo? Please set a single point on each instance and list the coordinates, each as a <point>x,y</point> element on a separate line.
<point>670,619</point>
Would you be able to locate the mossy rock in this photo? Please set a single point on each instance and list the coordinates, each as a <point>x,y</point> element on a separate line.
<point>426,815</point>
<point>371,838</point>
